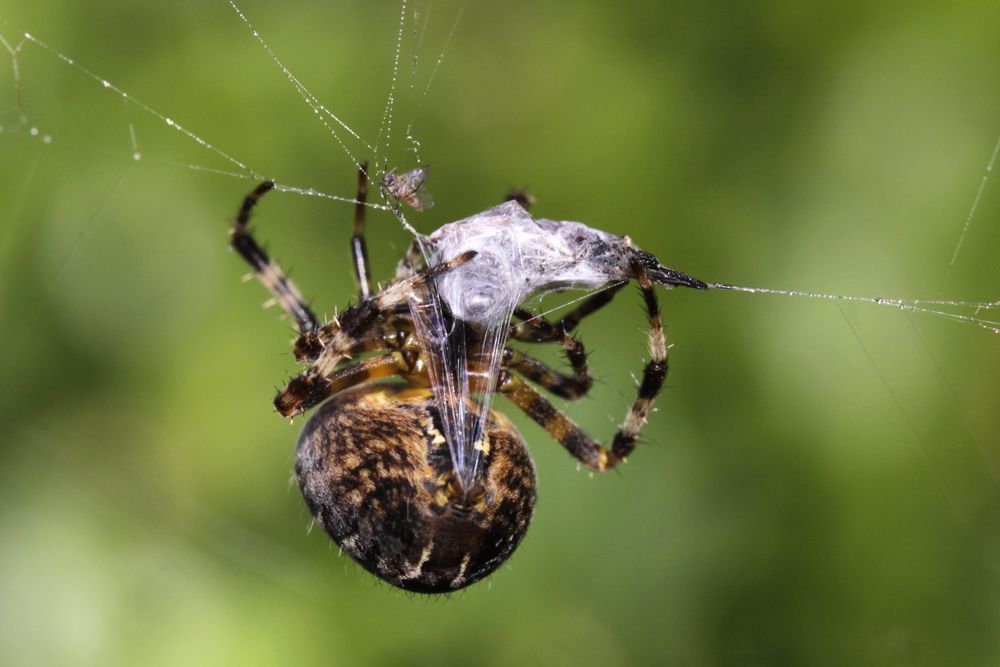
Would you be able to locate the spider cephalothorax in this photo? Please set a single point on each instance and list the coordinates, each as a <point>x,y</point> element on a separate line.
<point>419,479</point>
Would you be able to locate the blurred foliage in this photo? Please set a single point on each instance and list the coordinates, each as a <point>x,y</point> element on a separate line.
<point>820,484</point>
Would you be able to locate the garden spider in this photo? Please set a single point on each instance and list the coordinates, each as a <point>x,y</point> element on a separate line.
<point>376,463</point>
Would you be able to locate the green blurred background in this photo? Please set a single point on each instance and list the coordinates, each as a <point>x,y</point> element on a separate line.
<point>820,483</point>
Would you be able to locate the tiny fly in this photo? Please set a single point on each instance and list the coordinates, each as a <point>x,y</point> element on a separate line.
<point>408,188</point>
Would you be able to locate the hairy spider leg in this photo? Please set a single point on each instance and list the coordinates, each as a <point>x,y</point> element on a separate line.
<point>562,385</point>
<point>364,330</point>
<point>356,326</point>
<point>359,249</point>
<point>374,368</point>
<point>308,389</point>
<point>537,329</point>
<point>403,358</point>
<point>578,443</point>
<point>411,260</point>
<point>269,273</point>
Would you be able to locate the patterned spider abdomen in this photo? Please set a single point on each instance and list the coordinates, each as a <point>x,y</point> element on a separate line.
<point>375,470</point>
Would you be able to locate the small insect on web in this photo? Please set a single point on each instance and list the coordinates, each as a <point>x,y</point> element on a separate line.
<point>407,188</point>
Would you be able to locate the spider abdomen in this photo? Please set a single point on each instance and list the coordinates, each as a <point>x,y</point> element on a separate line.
<point>375,471</point>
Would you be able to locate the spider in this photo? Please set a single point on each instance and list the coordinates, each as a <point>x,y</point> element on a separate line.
<point>376,463</point>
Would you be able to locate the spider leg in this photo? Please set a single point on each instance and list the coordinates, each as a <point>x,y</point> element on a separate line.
<point>313,386</point>
<point>564,386</point>
<point>359,249</point>
<point>285,293</point>
<point>329,339</point>
<point>353,332</point>
<point>355,329</point>
<point>537,329</point>
<point>302,393</point>
<point>582,446</point>
<point>407,266</point>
